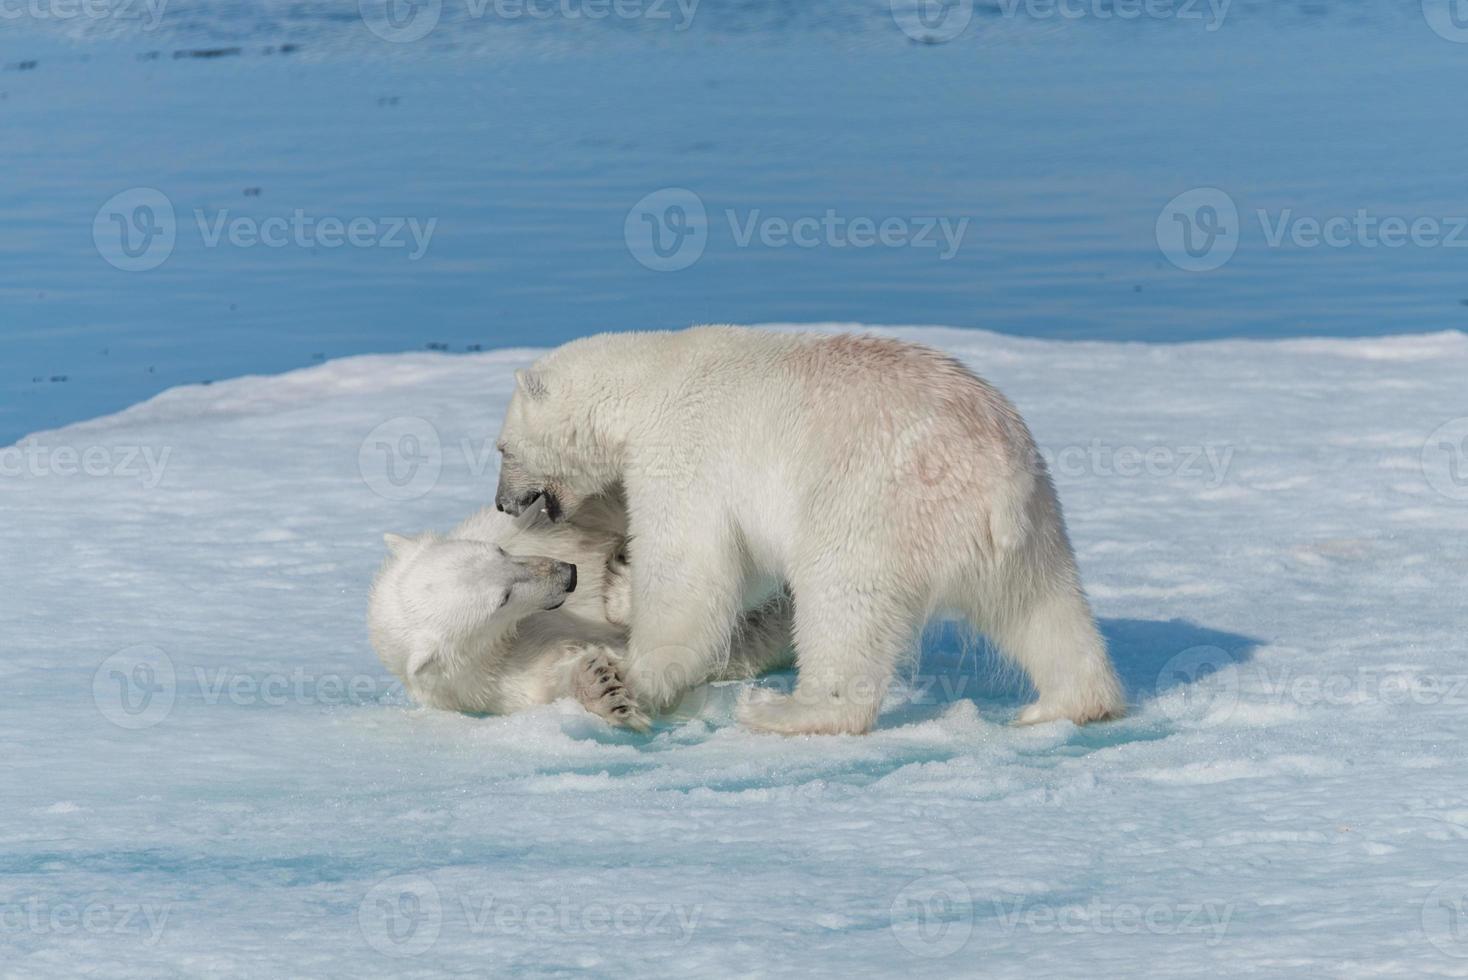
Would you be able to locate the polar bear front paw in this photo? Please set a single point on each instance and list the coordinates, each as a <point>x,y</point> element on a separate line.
<point>765,710</point>
<point>1083,713</point>
<point>600,687</point>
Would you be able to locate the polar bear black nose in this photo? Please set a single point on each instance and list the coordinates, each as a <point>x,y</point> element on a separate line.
<point>571,579</point>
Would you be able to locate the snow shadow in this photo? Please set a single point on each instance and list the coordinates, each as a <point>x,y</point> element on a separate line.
<point>1152,657</point>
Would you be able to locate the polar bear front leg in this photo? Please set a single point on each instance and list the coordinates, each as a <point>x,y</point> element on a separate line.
<point>849,637</point>
<point>687,595</point>
<point>762,636</point>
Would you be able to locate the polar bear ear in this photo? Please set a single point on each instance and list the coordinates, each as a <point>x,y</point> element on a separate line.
<point>396,543</point>
<point>531,382</point>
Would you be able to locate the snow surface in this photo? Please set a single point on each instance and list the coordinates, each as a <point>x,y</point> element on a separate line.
<point>209,774</point>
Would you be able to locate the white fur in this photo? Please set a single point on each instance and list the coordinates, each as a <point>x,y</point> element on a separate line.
<point>881,480</point>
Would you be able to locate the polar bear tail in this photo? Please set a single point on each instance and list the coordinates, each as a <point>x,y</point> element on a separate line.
<point>1010,521</point>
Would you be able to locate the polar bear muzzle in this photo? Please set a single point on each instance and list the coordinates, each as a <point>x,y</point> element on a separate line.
<point>518,490</point>
<point>517,504</point>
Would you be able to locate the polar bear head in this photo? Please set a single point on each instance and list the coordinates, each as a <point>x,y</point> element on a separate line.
<point>554,445</point>
<point>438,604</point>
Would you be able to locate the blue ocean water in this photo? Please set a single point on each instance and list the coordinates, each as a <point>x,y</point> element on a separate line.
<point>201,190</point>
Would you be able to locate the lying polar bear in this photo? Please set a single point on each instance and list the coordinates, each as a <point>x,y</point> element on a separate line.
<point>883,481</point>
<point>502,614</point>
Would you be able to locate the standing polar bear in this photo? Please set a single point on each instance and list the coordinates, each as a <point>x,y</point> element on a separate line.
<point>881,480</point>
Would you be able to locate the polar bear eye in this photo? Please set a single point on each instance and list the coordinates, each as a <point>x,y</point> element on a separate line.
<point>505,598</point>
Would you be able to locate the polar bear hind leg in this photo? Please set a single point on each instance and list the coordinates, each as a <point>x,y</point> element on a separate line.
<point>1054,639</point>
<point>1031,606</point>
